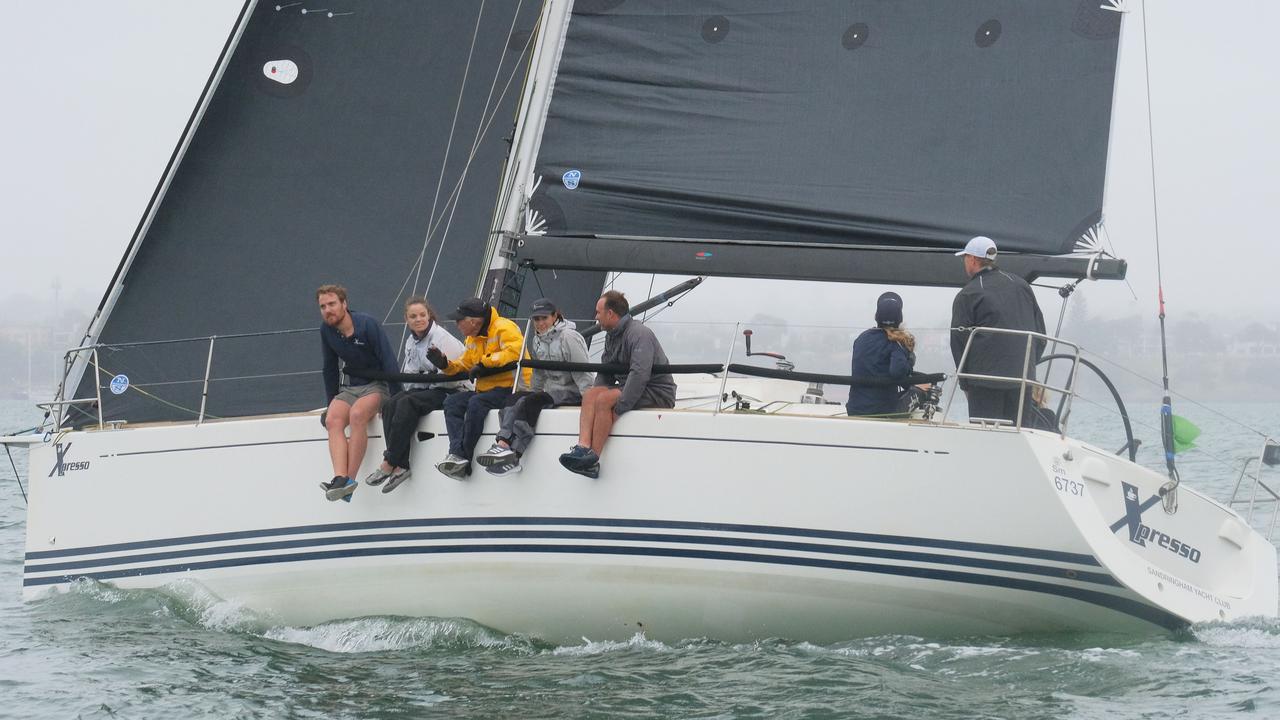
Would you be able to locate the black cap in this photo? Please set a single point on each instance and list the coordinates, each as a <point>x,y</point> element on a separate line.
<point>542,308</point>
<point>889,310</point>
<point>475,307</point>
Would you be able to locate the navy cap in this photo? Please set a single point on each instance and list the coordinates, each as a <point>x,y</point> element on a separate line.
<point>889,310</point>
<point>542,308</point>
<point>475,307</point>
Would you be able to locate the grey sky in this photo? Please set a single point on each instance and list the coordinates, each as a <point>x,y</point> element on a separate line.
<point>97,95</point>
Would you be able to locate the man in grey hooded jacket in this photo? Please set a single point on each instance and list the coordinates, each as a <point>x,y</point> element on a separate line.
<point>628,342</point>
<point>554,338</point>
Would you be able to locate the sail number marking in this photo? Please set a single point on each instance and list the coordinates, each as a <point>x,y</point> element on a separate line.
<point>1068,486</point>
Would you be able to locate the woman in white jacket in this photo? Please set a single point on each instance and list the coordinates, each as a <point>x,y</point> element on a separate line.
<point>400,413</point>
<point>554,338</point>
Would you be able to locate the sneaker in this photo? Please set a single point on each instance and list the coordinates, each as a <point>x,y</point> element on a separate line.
<point>396,477</point>
<point>592,471</point>
<point>510,467</point>
<point>339,488</point>
<point>377,477</point>
<point>579,457</point>
<point>455,466</point>
<point>496,455</point>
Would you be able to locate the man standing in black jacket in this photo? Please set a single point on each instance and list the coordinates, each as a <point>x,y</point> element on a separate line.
<point>994,298</point>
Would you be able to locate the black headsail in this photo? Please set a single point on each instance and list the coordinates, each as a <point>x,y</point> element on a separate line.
<point>318,159</point>
<point>828,140</point>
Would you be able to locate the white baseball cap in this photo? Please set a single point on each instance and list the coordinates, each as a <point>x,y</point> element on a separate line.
<point>980,247</point>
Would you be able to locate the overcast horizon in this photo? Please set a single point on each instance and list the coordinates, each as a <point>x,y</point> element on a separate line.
<point>101,109</point>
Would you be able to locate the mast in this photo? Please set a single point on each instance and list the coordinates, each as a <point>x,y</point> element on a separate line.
<point>518,177</point>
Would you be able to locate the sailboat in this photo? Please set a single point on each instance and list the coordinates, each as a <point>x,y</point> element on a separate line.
<point>826,141</point>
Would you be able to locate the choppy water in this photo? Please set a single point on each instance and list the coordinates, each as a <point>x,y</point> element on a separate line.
<point>99,652</point>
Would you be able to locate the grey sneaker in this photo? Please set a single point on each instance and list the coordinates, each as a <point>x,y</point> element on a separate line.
<point>377,477</point>
<point>455,466</point>
<point>496,455</point>
<point>502,469</point>
<point>396,477</point>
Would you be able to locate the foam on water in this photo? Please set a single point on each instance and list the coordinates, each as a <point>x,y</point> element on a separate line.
<point>589,647</point>
<point>1251,633</point>
<point>380,634</point>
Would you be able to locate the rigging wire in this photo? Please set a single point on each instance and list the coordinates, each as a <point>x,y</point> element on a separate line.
<point>1168,491</point>
<point>454,194</point>
<point>16,476</point>
<point>457,109</point>
<point>480,132</point>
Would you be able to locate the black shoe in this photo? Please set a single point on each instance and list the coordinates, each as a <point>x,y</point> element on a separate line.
<point>579,457</point>
<point>339,488</point>
<point>592,471</point>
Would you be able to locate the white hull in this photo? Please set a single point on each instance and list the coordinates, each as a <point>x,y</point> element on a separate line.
<point>733,526</point>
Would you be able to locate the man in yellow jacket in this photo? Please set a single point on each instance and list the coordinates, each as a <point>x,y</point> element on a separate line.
<point>491,341</point>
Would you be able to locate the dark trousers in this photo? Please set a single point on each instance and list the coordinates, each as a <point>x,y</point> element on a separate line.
<point>400,415</point>
<point>464,414</point>
<point>520,416</point>
<point>996,403</point>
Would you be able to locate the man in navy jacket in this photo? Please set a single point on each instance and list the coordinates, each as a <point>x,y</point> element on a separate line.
<point>355,340</point>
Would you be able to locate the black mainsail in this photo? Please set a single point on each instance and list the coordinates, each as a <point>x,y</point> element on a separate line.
<point>829,140</point>
<point>318,159</point>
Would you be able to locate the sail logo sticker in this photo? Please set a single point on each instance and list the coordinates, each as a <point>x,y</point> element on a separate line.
<point>282,71</point>
<point>62,466</point>
<point>119,384</point>
<point>1140,533</point>
<point>571,179</point>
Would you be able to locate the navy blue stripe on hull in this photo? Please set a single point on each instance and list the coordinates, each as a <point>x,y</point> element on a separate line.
<point>1123,605</point>
<point>989,548</point>
<point>911,556</point>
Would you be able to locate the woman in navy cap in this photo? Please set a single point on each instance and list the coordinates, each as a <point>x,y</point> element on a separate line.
<point>884,356</point>
<point>554,338</point>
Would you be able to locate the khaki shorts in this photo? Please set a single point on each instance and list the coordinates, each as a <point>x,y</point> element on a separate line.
<point>349,394</point>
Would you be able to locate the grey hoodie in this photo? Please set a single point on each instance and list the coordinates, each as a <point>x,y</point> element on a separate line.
<point>560,342</point>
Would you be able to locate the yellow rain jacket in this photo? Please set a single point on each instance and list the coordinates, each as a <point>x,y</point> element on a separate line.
<point>499,342</point>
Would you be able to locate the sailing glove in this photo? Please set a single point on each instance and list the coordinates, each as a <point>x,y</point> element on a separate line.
<point>475,371</point>
<point>437,358</point>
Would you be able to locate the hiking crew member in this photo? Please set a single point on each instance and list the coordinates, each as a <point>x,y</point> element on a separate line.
<point>355,340</point>
<point>491,341</point>
<point>401,413</point>
<point>994,298</point>
<point>554,338</point>
<point>627,342</point>
<point>885,352</point>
